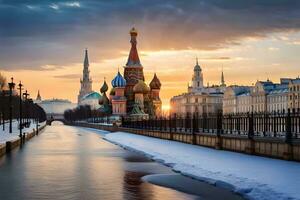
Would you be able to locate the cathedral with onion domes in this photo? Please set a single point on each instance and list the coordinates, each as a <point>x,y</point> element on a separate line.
<point>130,96</point>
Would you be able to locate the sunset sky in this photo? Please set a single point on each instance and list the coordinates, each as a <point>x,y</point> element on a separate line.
<point>42,42</point>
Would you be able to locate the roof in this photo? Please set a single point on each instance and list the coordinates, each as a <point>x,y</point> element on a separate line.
<point>295,81</point>
<point>141,87</point>
<point>197,66</point>
<point>155,83</point>
<point>118,81</point>
<point>239,90</point>
<point>104,87</point>
<point>133,58</point>
<point>92,95</point>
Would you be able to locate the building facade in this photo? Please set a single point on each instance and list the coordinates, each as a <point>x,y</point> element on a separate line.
<point>198,99</point>
<point>294,93</point>
<point>264,96</point>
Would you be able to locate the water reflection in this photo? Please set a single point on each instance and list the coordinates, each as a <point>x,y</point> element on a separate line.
<point>73,163</point>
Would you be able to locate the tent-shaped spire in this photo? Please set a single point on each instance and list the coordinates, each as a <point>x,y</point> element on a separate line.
<point>86,59</point>
<point>38,98</point>
<point>222,79</point>
<point>133,58</point>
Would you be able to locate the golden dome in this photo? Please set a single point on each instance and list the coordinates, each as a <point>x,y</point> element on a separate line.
<point>133,31</point>
<point>141,87</point>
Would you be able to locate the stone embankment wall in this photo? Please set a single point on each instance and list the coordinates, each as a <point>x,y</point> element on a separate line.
<point>12,144</point>
<point>269,147</point>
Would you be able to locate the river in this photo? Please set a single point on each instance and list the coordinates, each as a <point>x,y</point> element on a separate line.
<point>67,162</point>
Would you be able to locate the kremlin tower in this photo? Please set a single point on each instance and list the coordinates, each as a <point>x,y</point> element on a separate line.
<point>86,81</point>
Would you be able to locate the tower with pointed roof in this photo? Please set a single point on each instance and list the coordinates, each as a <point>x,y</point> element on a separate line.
<point>38,97</point>
<point>86,81</point>
<point>155,86</point>
<point>223,84</point>
<point>133,71</point>
<point>197,80</point>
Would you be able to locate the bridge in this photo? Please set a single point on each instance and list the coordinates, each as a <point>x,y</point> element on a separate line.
<point>51,117</point>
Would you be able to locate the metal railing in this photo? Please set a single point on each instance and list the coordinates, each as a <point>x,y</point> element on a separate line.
<point>284,124</point>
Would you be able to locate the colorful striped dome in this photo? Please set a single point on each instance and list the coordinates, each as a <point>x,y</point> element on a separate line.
<point>141,87</point>
<point>118,81</point>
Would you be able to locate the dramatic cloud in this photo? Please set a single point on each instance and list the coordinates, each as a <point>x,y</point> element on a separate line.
<point>54,32</point>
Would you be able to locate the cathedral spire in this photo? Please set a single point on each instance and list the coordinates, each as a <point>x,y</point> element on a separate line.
<point>222,79</point>
<point>133,58</point>
<point>86,59</point>
<point>38,98</point>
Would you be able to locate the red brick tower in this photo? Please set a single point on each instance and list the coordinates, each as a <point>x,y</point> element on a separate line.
<point>133,71</point>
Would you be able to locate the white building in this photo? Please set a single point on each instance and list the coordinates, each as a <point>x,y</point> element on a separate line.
<point>236,99</point>
<point>294,93</point>
<point>264,96</point>
<point>56,106</point>
<point>198,99</point>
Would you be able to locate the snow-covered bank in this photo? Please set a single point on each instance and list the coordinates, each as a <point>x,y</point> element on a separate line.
<point>254,177</point>
<point>6,136</point>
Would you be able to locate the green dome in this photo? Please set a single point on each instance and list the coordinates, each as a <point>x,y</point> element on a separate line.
<point>104,87</point>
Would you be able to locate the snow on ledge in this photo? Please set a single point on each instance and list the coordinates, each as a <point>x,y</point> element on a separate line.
<point>252,176</point>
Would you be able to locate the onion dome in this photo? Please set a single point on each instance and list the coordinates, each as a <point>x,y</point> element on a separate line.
<point>104,87</point>
<point>197,66</point>
<point>112,92</point>
<point>103,100</point>
<point>133,32</point>
<point>155,83</point>
<point>118,81</point>
<point>141,87</point>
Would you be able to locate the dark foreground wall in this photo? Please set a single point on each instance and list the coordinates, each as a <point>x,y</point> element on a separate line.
<point>275,148</point>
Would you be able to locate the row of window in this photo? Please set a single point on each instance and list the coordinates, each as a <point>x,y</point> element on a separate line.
<point>295,88</point>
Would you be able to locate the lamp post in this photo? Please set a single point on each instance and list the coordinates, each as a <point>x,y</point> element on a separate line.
<point>25,95</point>
<point>11,86</point>
<point>20,115</point>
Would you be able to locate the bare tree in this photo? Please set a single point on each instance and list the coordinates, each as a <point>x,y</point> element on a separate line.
<point>2,82</point>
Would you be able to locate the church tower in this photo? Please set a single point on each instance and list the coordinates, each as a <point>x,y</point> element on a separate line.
<point>86,81</point>
<point>38,97</point>
<point>155,86</point>
<point>223,84</point>
<point>197,80</point>
<point>133,71</point>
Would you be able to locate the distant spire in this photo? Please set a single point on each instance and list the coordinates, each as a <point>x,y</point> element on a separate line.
<point>39,98</point>
<point>197,61</point>
<point>222,79</point>
<point>133,58</point>
<point>86,59</point>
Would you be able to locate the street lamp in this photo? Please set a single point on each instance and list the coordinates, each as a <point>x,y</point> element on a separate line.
<point>25,95</point>
<point>20,115</point>
<point>11,86</point>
